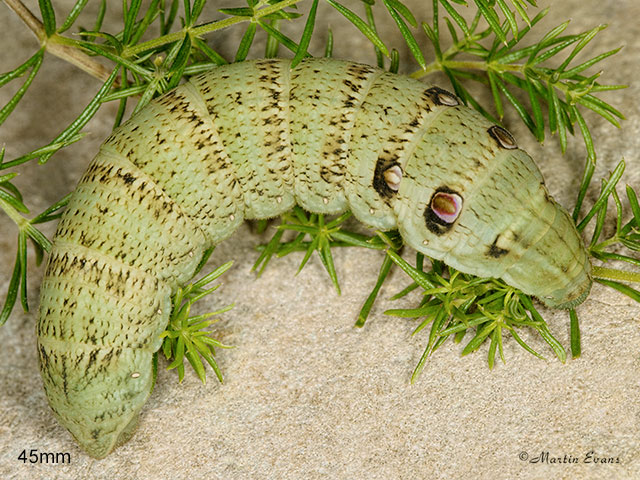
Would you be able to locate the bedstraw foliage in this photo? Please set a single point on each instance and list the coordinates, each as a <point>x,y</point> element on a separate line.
<point>493,42</point>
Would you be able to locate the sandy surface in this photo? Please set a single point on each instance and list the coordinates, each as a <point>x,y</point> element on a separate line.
<point>307,395</point>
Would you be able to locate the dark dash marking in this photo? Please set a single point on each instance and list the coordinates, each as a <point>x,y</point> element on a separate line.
<point>495,251</point>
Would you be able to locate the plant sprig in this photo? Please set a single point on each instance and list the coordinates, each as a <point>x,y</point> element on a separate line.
<point>506,67</point>
<point>454,303</point>
<point>323,236</point>
<point>11,202</point>
<point>187,336</point>
<point>626,236</point>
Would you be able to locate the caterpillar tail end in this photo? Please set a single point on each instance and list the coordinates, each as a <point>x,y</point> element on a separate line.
<point>101,413</point>
<point>99,325</point>
<point>105,445</point>
<point>122,438</point>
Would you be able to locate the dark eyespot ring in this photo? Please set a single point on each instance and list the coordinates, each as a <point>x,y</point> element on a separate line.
<point>503,137</point>
<point>386,177</point>
<point>444,209</point>
<point>442,97</point>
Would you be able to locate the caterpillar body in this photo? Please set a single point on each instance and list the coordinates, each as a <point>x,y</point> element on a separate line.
<point>249,141</point>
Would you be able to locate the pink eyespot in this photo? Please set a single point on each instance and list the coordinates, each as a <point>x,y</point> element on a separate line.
<point>446,206</point>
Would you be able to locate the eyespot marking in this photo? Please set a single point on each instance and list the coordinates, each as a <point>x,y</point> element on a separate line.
<point>446,206</point>
<point>387,177</point>
<point>442,97</point>
<point>503,137</point>
<point>443,210</point>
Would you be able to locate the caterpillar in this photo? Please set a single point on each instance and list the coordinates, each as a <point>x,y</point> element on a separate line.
<point>250,141</point>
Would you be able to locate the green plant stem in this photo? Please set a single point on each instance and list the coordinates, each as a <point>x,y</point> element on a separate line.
<point>437,66</point>
<point>614,274</point>
<point>13,214</point>
<point>84,62</point>
<point>68,49</point>
<point>129,52</point>
<point>25,226</point>
<point>607,243</point>
<point>451,52</point>
<point>498,68</point>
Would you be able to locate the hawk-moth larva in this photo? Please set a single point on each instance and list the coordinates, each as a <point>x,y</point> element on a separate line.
<point>249,141</point>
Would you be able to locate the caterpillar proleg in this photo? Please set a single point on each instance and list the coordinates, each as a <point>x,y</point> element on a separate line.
<point>249,141</point>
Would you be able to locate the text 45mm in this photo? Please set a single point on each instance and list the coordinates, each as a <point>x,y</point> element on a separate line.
<point>34,456</point>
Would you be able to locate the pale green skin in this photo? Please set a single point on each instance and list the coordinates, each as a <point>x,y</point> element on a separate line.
<point>247,141</point>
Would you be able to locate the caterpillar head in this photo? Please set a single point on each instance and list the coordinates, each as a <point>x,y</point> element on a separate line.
<point>470,197</point>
